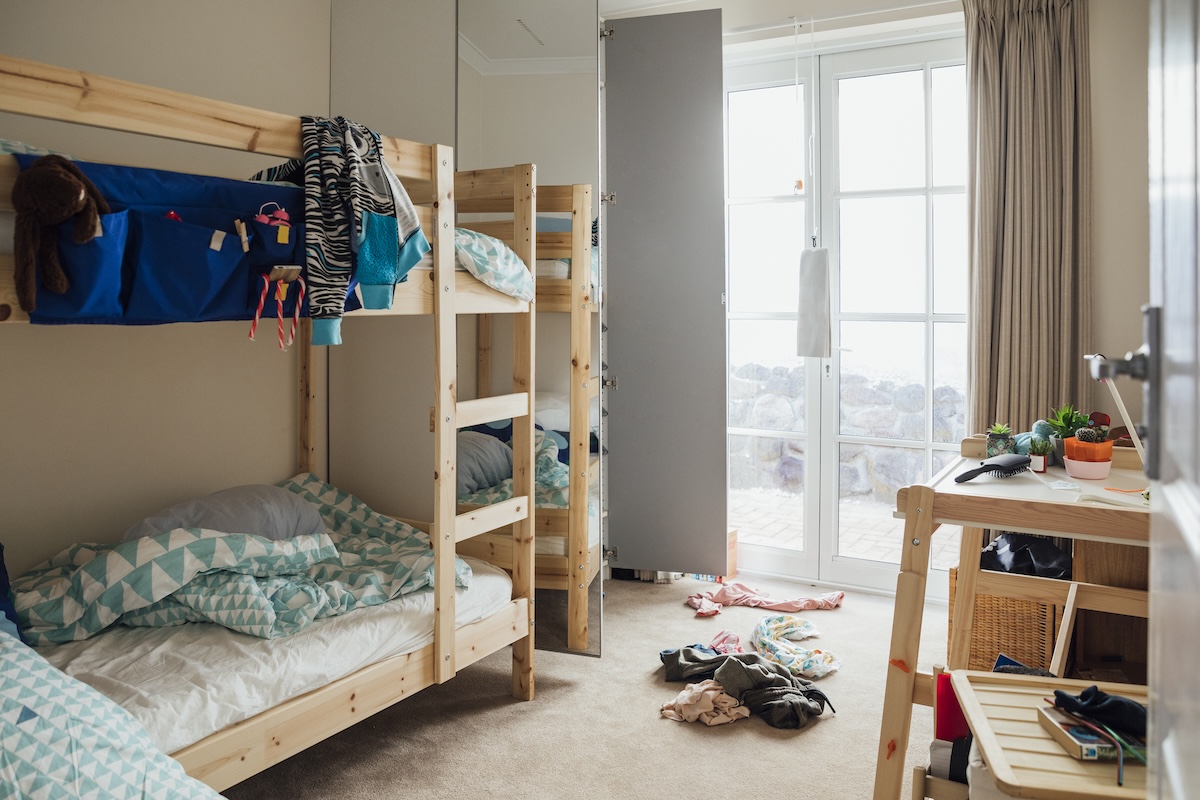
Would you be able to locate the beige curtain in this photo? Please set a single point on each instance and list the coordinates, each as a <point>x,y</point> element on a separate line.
<point>1029,208</point>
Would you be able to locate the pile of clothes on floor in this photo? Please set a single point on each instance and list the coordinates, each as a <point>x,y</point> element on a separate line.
<point>773,680</point>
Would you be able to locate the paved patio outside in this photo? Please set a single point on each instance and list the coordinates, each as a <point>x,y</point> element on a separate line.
<point>866,530</point>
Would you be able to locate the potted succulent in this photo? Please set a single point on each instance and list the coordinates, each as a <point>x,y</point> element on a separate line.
<point>1088,454</point>
<point>1040,450</point>
<point>1063,423</point>
<point>1000,440</point>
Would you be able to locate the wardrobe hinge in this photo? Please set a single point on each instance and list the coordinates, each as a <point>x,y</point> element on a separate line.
<point>611,552</point>
<point>607,33</point>
<point>610,383</point>
<point>610,198</point>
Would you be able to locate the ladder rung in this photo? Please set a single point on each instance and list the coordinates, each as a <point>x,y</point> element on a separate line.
<point>490,409</point>
<point>490,517</point>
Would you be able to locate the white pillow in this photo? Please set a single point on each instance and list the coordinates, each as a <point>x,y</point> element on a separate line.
<point>493,262</point>
<point>269,511</point>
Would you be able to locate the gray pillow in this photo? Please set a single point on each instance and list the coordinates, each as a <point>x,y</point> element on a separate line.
<point>483,461</point>
<point>269,511</point>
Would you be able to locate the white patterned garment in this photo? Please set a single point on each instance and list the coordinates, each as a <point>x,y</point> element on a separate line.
<point>61,739</point>
<point>776,638</point>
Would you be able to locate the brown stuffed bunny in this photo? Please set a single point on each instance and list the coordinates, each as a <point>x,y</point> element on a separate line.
<point>50,191</point>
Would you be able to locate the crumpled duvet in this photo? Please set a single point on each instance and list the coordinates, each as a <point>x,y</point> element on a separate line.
<point>244,582</point>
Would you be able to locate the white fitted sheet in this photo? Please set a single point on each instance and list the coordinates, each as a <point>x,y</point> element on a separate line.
<point>187,682</point>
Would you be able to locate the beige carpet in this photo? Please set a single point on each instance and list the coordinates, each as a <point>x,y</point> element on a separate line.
<point>595,731</point>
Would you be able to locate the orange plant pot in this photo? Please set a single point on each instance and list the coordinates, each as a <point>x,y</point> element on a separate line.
<point>1087,451</point>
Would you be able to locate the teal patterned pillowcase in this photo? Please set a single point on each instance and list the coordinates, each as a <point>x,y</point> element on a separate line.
<point>494,263</point>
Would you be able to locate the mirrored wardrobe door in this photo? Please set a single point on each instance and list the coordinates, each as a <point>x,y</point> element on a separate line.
<point>528,93</point>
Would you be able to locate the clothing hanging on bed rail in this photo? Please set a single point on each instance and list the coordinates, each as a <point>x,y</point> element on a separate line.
<point>360,220</point>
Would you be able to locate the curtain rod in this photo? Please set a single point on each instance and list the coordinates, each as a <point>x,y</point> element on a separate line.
<point>770,26</point>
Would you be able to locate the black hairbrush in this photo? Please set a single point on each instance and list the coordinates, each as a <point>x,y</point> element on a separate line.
<point>1003,466</point>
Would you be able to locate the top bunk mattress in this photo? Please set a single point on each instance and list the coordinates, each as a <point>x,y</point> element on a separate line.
<point>185,683</point>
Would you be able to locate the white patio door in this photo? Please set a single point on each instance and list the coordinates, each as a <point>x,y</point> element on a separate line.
<point>869,164</point>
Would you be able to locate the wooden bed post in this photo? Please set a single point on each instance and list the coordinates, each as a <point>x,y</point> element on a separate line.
<point>578,575</point>
<point>443,533</point>
<point>306,455</point>
<point>483,355</point>
<point>524,360</point>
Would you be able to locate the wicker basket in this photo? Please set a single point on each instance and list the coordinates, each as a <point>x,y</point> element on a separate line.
<point>1023,630</point>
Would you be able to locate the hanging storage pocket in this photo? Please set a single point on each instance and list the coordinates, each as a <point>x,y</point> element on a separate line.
<point>94,270</point>
<point>273,246</point>
<point>185,273</point>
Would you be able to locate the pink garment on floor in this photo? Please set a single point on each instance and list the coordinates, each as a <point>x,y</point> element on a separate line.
<point>708,604</point>
<point>704,702</point>
<point>727,642</point>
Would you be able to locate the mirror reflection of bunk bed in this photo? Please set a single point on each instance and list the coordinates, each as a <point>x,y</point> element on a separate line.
<point>568,551</point>
<point>443,643</point>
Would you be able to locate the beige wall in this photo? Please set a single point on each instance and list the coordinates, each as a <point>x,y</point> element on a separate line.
<point>549,120</point>
<point>1120,33</point>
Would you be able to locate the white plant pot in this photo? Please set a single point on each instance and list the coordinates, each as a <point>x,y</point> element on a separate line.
<point>1037,463</point>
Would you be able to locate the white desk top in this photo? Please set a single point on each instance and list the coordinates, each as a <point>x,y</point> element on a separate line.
<point>1027,504</point>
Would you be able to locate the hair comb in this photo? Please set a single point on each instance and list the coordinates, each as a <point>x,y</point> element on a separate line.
<point>1002,466</point>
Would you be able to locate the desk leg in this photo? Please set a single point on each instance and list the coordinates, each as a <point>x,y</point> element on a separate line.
<point>906,642</point>
<point>964,598</point>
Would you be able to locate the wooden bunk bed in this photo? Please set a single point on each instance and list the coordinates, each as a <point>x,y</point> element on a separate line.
<point>569,558</point>
<point>228,756</point>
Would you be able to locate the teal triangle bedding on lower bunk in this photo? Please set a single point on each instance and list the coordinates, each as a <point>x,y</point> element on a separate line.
<point>61,739</point>
<point>242,581</point>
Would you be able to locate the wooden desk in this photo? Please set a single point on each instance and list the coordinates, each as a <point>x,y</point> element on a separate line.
<point>1021,503</point>
<point>1022,758</point>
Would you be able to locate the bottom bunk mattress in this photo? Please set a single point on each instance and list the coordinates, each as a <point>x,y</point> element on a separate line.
<point>187,682</point>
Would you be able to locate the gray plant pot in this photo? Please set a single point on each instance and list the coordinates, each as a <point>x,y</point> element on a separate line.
<point>1059,452</point>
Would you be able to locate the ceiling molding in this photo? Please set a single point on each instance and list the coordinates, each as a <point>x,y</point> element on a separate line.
<point>474,57</point>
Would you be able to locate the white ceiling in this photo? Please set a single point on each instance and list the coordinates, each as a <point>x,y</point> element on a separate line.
<point>512,36</point>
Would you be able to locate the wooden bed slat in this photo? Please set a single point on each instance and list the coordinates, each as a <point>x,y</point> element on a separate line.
<point>556,199</point>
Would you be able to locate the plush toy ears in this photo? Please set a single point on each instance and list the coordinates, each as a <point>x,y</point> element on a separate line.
<point>92,192</point>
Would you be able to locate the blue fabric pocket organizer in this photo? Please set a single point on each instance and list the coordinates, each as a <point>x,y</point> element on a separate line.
<point>185,273</point>
<point>94,271</point>
<point>151,268</point>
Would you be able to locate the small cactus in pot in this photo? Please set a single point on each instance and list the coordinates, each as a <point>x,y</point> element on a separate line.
<point>1040,450</point>
<point>1000,439</point>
